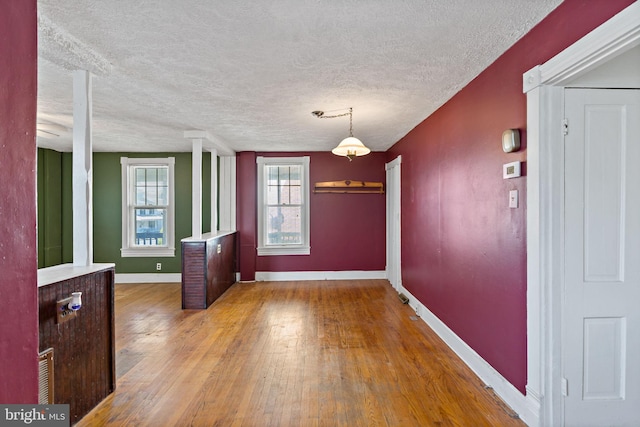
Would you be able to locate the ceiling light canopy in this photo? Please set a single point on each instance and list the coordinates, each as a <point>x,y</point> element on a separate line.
<point>351,146</point>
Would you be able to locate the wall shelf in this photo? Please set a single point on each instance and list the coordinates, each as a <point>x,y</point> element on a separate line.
<point>349,186</point>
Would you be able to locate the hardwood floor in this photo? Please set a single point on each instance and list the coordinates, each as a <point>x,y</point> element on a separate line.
<point>321,353</point>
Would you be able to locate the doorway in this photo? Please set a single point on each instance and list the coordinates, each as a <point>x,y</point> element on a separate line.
<point>394,270</point>
<point>544,86</point>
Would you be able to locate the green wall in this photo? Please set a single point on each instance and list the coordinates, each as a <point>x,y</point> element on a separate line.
<point>50,199</point>
<point>57,219</point>
<point>67,208</point>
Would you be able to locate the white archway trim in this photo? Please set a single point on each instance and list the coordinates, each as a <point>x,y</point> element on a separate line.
<point>617,35</point>
<point>544,86</point>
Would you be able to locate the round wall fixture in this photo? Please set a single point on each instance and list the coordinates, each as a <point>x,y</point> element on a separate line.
<point>510,140</point>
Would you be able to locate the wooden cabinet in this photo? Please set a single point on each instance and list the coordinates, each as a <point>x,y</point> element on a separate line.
<point>208,268</point>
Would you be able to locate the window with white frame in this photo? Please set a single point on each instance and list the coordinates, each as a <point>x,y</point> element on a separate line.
<point>283,206</point>
<point>148,207</point>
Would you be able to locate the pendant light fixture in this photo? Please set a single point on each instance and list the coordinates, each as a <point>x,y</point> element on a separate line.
<point>351,146</point>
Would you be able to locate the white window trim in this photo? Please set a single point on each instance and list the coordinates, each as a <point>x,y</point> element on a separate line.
<point>305,247</point>
<point>128,229</point>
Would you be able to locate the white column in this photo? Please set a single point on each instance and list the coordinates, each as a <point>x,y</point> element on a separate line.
<point>196,190</point>
<point>214,190</point>
<point>227,209</point>
<point>82,169</point>
<point>228,193</point>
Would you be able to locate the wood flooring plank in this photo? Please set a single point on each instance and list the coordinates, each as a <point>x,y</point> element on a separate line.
<point>318,353</point>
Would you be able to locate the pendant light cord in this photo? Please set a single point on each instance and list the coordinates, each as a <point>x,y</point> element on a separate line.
<point>321,115</point>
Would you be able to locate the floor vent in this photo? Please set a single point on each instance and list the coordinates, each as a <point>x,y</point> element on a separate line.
<point>403,298</point>
<point>45,377</point>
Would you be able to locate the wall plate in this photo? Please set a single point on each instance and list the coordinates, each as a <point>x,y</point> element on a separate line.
<point>511,170</point>
<point>63,313</point>
<point>513,199</point>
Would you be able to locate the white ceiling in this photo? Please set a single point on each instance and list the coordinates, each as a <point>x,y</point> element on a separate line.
<point>251,72</point>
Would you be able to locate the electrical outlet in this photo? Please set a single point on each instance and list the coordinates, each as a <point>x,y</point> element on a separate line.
<point>159,266</point>
<point>64,313</point>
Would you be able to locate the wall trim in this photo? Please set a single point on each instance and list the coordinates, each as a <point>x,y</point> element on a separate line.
<point>148,277</point>
<point>276,276</point>
<point>525,409</point>
<point>615,36</point>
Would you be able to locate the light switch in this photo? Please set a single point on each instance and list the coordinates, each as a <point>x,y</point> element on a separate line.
<point>513,199</point>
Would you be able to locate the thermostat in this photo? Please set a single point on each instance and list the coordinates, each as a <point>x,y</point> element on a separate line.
<point>511,170</point>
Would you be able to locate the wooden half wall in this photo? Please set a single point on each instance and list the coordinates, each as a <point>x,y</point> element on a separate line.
<point>208,268</point>
<point>83,347</point>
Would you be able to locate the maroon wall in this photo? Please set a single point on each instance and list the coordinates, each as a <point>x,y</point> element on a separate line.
<point>246,224</point>
<point>463,248</point>
<point>18,263</point>
<point>347,230</point>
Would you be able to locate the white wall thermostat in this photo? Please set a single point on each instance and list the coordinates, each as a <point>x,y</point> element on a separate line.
<point>511,170</point>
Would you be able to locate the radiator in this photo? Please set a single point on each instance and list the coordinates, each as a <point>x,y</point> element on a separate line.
<point>45,377</point>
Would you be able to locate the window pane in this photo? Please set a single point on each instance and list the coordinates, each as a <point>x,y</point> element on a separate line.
<point>163,196</point>
<point>163,177</point>
<point>273,175</point>
<point>152,176</point>
<point>295,195</point>
<point>283,186</point>
<point>285,199</point>
<point>294,175</point>
<point>150,227</point>
<point>140,176</point>
<point>152,196</point>
<point>285,226</point>
<point>285,173</point>
<point>141,196</point>
<point>272,195</point>
<point>151,186</point>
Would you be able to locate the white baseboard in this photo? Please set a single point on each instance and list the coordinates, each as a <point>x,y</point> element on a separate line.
<point>261,276</point>
<point>271,276</point>
<point>532,417</point>
<point>148,277</point>
<point>525,407</point>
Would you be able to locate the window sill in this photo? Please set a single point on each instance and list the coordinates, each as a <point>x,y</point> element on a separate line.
<point>147,252</point>
<point>284,250</point>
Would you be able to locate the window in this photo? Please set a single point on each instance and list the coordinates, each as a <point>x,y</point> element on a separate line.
<point>283,206</point>
<point>147,207</point>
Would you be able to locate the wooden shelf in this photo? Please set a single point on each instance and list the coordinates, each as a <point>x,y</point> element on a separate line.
<point>349,186</point>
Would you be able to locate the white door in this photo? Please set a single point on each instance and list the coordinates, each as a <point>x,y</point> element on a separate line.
<point>394,273</point>
<point>601,307</point>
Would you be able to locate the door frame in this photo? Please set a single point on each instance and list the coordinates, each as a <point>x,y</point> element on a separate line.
<point>393,231</point>
<point>544,86</point>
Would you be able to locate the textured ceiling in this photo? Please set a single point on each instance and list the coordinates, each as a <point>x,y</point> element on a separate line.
<point>250,72</point>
